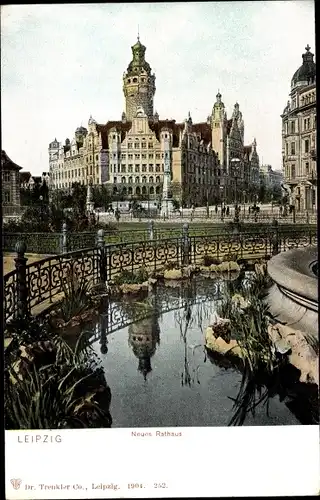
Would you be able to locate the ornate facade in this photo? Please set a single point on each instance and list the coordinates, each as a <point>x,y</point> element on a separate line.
<point>299,136</point>
<point>10,185</point>
<point>128,155</point>
<point>240,163</point>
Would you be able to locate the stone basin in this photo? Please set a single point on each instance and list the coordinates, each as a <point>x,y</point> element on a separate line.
<point>293,298</point>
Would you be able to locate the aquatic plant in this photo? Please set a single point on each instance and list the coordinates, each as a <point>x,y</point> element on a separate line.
<point>249,322</point>
<point>208,260</point>
<point>131,277</point>
<point>76,297</point>
<point>50,385</point>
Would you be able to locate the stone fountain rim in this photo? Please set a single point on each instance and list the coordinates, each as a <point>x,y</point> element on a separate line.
<point>298,277</point>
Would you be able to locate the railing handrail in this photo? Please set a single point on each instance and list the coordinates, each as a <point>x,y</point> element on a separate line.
<point>182,249</point>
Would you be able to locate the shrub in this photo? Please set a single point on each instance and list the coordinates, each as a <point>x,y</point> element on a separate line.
<point>208,260</point>
<point>76,297</point>
<point>48,385</point>
<point>131,277</point>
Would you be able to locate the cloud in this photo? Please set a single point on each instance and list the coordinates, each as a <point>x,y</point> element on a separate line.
<point>60,63</point>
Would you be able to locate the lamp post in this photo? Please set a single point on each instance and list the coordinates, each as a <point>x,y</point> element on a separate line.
<point>244,203</point>
<point>221,198</point>
<point>207,188</point>
<point>235,162</point>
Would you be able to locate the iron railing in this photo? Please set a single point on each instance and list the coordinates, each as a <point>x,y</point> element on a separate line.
<point>28,286</point>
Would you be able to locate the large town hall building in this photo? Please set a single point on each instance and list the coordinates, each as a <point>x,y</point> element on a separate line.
<point>127,155</point>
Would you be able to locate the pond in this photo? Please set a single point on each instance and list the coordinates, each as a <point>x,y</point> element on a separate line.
<point>157,368</point>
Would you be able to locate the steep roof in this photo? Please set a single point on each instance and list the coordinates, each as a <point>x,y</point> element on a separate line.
<point>7,163</point>
<point>24,177</point>
<point>203,130</point>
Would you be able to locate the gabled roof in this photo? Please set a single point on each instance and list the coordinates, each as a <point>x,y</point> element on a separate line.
<point>7,163</point>
<point>24,177</point>
<point>204,131</point>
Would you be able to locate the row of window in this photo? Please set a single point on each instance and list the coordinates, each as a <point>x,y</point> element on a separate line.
<point>123,168</point>
<point>308,99</point>
<point>306,125</point>
<point>306,147</point>
<point>136,145</point>
<point>136,156</point>
<point>69,174</point>
<point>7,196</point>
<point>137,190</point>
<point>124,180</point>
<point>290,170</point>
<point>6,176</point>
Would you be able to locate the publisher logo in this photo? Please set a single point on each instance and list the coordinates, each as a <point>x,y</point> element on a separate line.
<point>16,483</point>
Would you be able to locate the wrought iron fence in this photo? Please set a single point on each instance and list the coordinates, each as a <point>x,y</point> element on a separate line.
<point>33,284</point>
<point>49,243</point>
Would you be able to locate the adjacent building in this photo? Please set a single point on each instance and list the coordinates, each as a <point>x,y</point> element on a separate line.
<point>239,162</point>
<point>128,154</point>
<point>299,136</point>
<point>10,185</point>
<point>270,184</point>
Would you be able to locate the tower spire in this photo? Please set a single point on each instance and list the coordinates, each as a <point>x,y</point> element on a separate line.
<point>138,34</point>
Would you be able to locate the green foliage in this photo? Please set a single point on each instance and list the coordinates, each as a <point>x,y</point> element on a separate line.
<point>249,327</point>
<point>208,260</point>
<point>131,277</point>
<point>76,297</point>
<point>49,385</point>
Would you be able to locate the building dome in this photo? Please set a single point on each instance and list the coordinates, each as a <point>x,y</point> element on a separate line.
<point>307,72</point>
<point>81,130</point>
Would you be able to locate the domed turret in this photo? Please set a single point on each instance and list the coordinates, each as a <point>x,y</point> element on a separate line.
<point>306,74</point>
<point>138,83</point>
<point>80,134</point>
<point>143,338</point>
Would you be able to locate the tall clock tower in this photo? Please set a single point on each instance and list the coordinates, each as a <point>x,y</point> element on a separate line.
<point>138,84</point>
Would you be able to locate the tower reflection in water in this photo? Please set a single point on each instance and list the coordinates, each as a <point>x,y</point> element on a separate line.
<point>103,331</point>
<point>143,339</point>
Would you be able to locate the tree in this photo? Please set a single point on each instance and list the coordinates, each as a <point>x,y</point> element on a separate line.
<point>176,191</point>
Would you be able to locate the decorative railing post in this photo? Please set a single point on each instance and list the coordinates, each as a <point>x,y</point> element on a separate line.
<point>151,230</point>
<point>275,237</point>
<point>101,262</point>
<point>64,239</point>
<point>185,250</point>
<point>22,310</point>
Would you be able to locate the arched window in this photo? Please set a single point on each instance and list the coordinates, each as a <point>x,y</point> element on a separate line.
<point>144,179</point>
<point>124,190</point>
<point>144,190</point>
<point>158,190</point>
<point>115,190</point>
<point>123,180</point>
<point>130,180</point>
<point>138,190</point>
<point>151,190</point>
<point>134,80</point>
<point>157,179</point>
<point>151,180</point>
<point>137,180</point>
<point>129,190</point>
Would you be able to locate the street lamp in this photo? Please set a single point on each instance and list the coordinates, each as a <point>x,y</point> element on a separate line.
<point>221,198</point>
<point>207,188</point>
<point>235,162</point>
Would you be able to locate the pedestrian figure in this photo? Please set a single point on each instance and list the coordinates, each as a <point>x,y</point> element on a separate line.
<point>249,210</point>
<point>227,211</point>
<point>216,209</point>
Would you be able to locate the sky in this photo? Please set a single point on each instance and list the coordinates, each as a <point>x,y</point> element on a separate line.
<point>62,63</point>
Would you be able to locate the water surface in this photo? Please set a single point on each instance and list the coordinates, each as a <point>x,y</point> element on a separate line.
<point>159,374</point>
